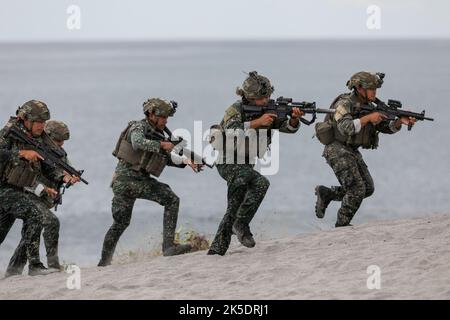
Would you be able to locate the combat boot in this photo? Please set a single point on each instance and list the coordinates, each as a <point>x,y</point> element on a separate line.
<point>337,225</point>
<point>169,247</point>
<point>107,256</point>
<point>242,231</point>
<point>12,273</point>
<point>324,197</point>
<point>343,220</point>
<point>53,264</point>
<point>104,262</point>
<point>176,249</point>
<point>38,270</point>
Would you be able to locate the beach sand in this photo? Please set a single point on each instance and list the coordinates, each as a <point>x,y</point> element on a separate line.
<point>412,255</point>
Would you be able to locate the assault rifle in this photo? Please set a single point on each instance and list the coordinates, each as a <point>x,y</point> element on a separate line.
<point>282,107</point>
<point>52,156</point>
<point>180,147</point>
<point>393,110</point>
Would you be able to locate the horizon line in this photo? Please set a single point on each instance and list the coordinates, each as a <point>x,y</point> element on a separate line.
<point>217,40</point>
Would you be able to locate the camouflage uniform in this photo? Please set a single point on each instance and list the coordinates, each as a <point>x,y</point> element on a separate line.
<point>50,228</point>
<point>342,154</point>
<point>246,186</point>
<point>57,131</point>
<point>16,203</point>
<point>130,184</point>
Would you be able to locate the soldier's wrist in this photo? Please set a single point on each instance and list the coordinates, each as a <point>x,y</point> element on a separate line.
<point>254,124</point>
<point>364,120</point>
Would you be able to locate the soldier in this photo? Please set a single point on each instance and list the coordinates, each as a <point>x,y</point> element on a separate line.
<point>20,168</point>
<point>59,133</point>
<point>246,186</point>
<point>351,130</point>
<point>141,154</point>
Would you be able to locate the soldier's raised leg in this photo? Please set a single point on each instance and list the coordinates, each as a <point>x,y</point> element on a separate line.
<point>235,196</point>
<point>161,193</point>
<point>246,190</point>
<point>341,168</point>
<point>346,169</point>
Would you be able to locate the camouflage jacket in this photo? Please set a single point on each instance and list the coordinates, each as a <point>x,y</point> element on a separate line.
<point>9,156</point>
<point>45,198</point>
<point>140,136</point>
<point>234,119</point>
<point>348,126</point>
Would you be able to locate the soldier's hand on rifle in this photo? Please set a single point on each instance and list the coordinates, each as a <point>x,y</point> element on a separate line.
<point>52,193</point>
<point>194,166</point>
<point>374,117</point>
<point>30,155</point>
<point>297,113</point>
<point>70,179</point>
<point>167,146</point>
<point>408,121</point>
<point>264,121</point>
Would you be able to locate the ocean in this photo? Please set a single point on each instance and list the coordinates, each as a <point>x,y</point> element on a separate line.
<point>96,88</point>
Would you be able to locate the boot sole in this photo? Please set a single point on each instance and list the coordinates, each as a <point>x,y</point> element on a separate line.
<point>42,274</point>
<point>319,215</point>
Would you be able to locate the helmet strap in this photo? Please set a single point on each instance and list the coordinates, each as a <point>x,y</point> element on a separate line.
<point>361,96</point>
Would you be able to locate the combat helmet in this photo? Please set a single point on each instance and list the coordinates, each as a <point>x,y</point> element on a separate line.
<point>57,130</point>
<point>34,110</point>
<point>255,87</point>
<point>160,107</point>
<point>365,80</point>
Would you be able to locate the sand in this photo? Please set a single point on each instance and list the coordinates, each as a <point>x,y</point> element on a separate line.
<point>412,255</point>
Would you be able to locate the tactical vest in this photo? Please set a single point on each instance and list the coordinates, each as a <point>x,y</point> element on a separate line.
<point>142,161</point>
<point>21,173</point>
<point>327,131</point>
<point>250,140</point>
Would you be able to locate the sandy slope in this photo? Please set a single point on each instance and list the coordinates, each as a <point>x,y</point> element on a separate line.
<point>413,255</point>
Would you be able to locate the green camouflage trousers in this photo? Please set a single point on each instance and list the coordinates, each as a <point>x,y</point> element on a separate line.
<point>126,191</point>
<point>18,204</point>
<point>50,223</point>
<point>246,191</point>
<point>354,177</point>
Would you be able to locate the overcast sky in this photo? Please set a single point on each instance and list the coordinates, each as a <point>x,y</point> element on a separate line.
<point>46,20</point>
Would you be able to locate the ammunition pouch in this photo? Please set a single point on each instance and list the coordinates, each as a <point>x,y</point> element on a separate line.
<point>153,163</point>
<point>149,162</point>
<point>367,138</point>
<point>126,153</point>
<point>21,175</point>
<point>325,132</point>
